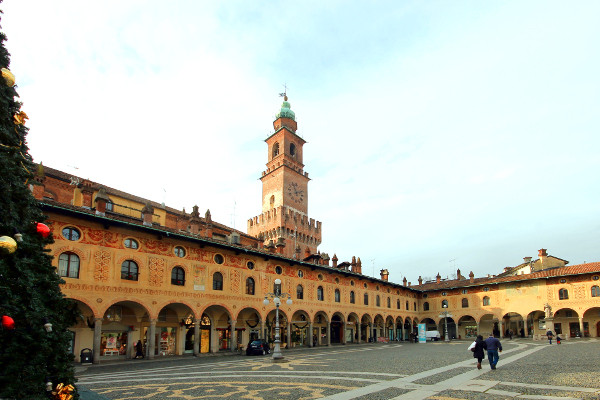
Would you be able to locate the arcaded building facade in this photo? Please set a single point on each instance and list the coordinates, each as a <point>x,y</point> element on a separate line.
<point>182,283</point>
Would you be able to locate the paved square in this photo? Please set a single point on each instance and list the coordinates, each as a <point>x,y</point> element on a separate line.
<point>442,371</point>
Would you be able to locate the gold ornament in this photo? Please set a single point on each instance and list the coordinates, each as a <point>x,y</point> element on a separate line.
<point>7,245</point>
<point>8,76</point>
<point>20,118</point>
<point>63,392</point>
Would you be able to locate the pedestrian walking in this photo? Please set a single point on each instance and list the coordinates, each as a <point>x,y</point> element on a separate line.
<point>478,350</point>
<point>139,349</point>
<point>549,334</point>
<point>493,346</point>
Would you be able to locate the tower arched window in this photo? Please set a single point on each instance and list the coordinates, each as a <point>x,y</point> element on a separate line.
<point>366,299</point>
<point>292,150</point>
<point>178,276</point>
<point>320,295</point>
<point>563,294</point>
<point>299,292</point>
<point>465,303</point>
<point>68,265</point>
<point>486,301</point>
<point>595,291</point>
<point>426,306</point>
<point>129,270</point>
<point>337,295</point>
<point>352,299</point>
<point>275,149</point>
<point>217,281</point>
<point>250,286</point>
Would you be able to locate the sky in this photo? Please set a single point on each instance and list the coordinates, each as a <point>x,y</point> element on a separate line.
<point>441,135</point>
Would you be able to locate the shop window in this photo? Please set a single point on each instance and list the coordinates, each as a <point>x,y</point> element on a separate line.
<point>178,276</point>
<point>377,301</point>
<point>426,306</point>
<point>337,295</point>
<point>366,299</point>
<point>465,303</point>
<point>217,281</point>
<point>68,265</point>
<point>71,233</point>
<point>595,291</point>
<point>179,251</point>
<point>129,270</point>
<point>563,294</point>
<point>352,299</point>
<point>219,259</point>
<point>250,286</point>
<point>299,292</point>
<point>486,301</point>
<point>320,296</point>
<point>131,244</point>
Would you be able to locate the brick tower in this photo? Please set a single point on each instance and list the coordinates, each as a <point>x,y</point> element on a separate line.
<point>284,225</point>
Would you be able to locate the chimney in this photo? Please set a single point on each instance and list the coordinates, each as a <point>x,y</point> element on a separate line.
<point>438,278</point>
<point>280,245</point>
<point>384,274</point>
<point>195,221</point>
<point>404,281</point>
<point>458,275</point>
<point>334,261</point>
<point>147,213</point>
<point>325,258</point>
<point>101,200</point>
<point>270,247</point>
<point>353,263</point>
<point>208,220</point>
<point>542,253</point>
<point>471,276</point>
<point>526,260</point>
<point>358,266</point>
<point>420,280</point>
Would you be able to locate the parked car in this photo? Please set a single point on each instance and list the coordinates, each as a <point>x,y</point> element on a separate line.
<point>434,336</point>
<point>258,347</point>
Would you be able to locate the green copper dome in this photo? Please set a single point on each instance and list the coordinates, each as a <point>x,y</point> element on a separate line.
<point>285,111</point>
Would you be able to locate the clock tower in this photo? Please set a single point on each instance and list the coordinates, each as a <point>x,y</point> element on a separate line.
<point>284,219</point>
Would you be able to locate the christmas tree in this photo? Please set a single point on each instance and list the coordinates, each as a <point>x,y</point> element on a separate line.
<point>34,341</point>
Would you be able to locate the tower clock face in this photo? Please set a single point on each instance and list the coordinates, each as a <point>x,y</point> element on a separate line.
<point>295,193</point>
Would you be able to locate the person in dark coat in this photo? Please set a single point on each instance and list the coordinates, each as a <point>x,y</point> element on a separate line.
<point>478,351</point>
<point>493,347</point>
<point>139,349</point>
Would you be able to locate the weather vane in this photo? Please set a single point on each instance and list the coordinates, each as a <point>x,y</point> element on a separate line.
<point>284,94</point>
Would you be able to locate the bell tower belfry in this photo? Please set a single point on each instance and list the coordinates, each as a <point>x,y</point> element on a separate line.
<point>284,219</point>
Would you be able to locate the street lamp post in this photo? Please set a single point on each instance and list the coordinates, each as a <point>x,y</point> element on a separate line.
<point>277,296</point>
<point>445,313</point>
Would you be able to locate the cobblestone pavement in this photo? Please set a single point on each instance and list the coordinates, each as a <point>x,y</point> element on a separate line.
<point>408,371</point>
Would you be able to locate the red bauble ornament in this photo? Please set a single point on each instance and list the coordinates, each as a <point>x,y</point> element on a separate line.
<point>8,322</point>
<point>42,229</point>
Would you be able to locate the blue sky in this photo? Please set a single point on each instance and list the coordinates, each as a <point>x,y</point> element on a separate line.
<point>441,135</point>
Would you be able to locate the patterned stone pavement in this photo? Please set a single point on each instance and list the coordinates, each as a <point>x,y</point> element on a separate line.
<point>432,371</point>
